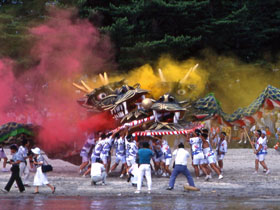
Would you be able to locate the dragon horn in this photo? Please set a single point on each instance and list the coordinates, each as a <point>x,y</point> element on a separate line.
<point>161,75</point>
<point>106,78</point>
<point>188,73</point>
<point>86,86</point>
<point>102,79</point>
<point>80,88</point>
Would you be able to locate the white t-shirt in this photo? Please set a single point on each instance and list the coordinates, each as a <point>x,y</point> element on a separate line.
<point>181,156</point>
<point>223,145</point>
<point>196,144</point>
<point>97,169</point>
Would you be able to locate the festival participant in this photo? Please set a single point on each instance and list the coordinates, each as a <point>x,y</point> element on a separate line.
<point>130,151</point>
<point>221,149</point>
<point>119,144</point>
<point>181,156</point>
<point>96,151</point>
<point>23,168</point>
<point>4,157</point>
<point>86,150</point>
<point>261,151</point>
<point>198,156</point>
<point>209,154</point>
<point>145,155</point>
<point>167,158</point>
<point>133,174</point>
<point>40,177</point>
<point>205,162</point>
<point>158,157</point>
<point>98,172</point>
<point>15,171</point>
<point>106,151</point>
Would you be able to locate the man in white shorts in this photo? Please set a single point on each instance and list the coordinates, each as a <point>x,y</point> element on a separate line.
<point>197,153</point>
<point>106,152</point>
<point>210,156</point>
<point>119,144</point>
<point>261,151</point>
<point>130,151</point>
<point>221,149</point>
<point>96,151</point>
<point>167,158</point>
<point>85,152</point>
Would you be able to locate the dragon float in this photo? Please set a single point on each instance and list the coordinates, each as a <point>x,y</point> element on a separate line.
<point>173,113</point>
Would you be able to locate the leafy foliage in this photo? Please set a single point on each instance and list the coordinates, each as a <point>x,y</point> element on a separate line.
<point>142,30</point>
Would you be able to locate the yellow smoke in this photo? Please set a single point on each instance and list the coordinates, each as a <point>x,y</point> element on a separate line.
<point>173,72</point>
<point>234,83</point>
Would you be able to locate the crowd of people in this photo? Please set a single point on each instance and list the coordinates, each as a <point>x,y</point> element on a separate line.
<point>138,158</point>
<point>128,153</point>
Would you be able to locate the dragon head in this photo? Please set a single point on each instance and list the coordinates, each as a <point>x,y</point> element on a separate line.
<point>125,100</point>
<point>167,112</point>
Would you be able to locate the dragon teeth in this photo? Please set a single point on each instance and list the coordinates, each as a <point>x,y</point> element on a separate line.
<point>176,117</point>
<point>155,115</point>
<point>125,107</point>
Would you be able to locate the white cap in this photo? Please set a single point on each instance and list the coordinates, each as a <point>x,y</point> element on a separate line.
<point>36,151</point>
<point>263,132</point>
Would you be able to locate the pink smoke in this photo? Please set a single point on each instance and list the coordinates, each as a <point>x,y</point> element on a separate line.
<point>66,47</point>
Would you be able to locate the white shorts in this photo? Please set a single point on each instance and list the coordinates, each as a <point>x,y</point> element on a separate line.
<point>85,159</point>
<point>211,159</point>
<point>2,154</point>
<point>159,159</point>
<point>120,159</point>
<point>198,159</point>
<point>220,157</point>
<point>260,157</point>
<point>130,161</point>
<point>105,158</point>
<point>167,161</point>
<point>203,161</point>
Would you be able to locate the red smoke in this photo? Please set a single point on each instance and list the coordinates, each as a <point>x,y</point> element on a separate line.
<point>66,47</point>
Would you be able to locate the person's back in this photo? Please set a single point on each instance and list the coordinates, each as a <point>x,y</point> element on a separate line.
<point>96,169</point>
<point>145,155</point>
<point>181,156</point>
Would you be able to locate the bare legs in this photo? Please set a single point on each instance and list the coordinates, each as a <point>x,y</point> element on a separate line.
<point>49,185</point>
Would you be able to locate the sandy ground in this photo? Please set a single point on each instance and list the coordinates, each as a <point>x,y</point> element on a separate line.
<point>238,182</point>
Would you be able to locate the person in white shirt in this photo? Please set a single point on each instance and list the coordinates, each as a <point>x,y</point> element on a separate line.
<point>221,149</point>
<point>86,151</point>
<point>131,150</point>
<point>98,173</point>
<point>261,151</point>
<point>197,153</point>
<point>181,156</point>
<point>23,168</point>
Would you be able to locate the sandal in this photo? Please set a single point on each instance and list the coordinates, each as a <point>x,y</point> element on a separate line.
<point>53,190</point>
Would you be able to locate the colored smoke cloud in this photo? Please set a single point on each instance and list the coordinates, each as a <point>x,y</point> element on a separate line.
<point>65,47</point>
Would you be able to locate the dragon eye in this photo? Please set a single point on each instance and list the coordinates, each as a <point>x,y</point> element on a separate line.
<point>181,92</point>
<point>101,96</point>
<point>171,99</point>
<point>161,99</point>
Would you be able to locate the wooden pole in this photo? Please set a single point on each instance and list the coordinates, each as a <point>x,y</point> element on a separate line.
<point>249,139</point>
